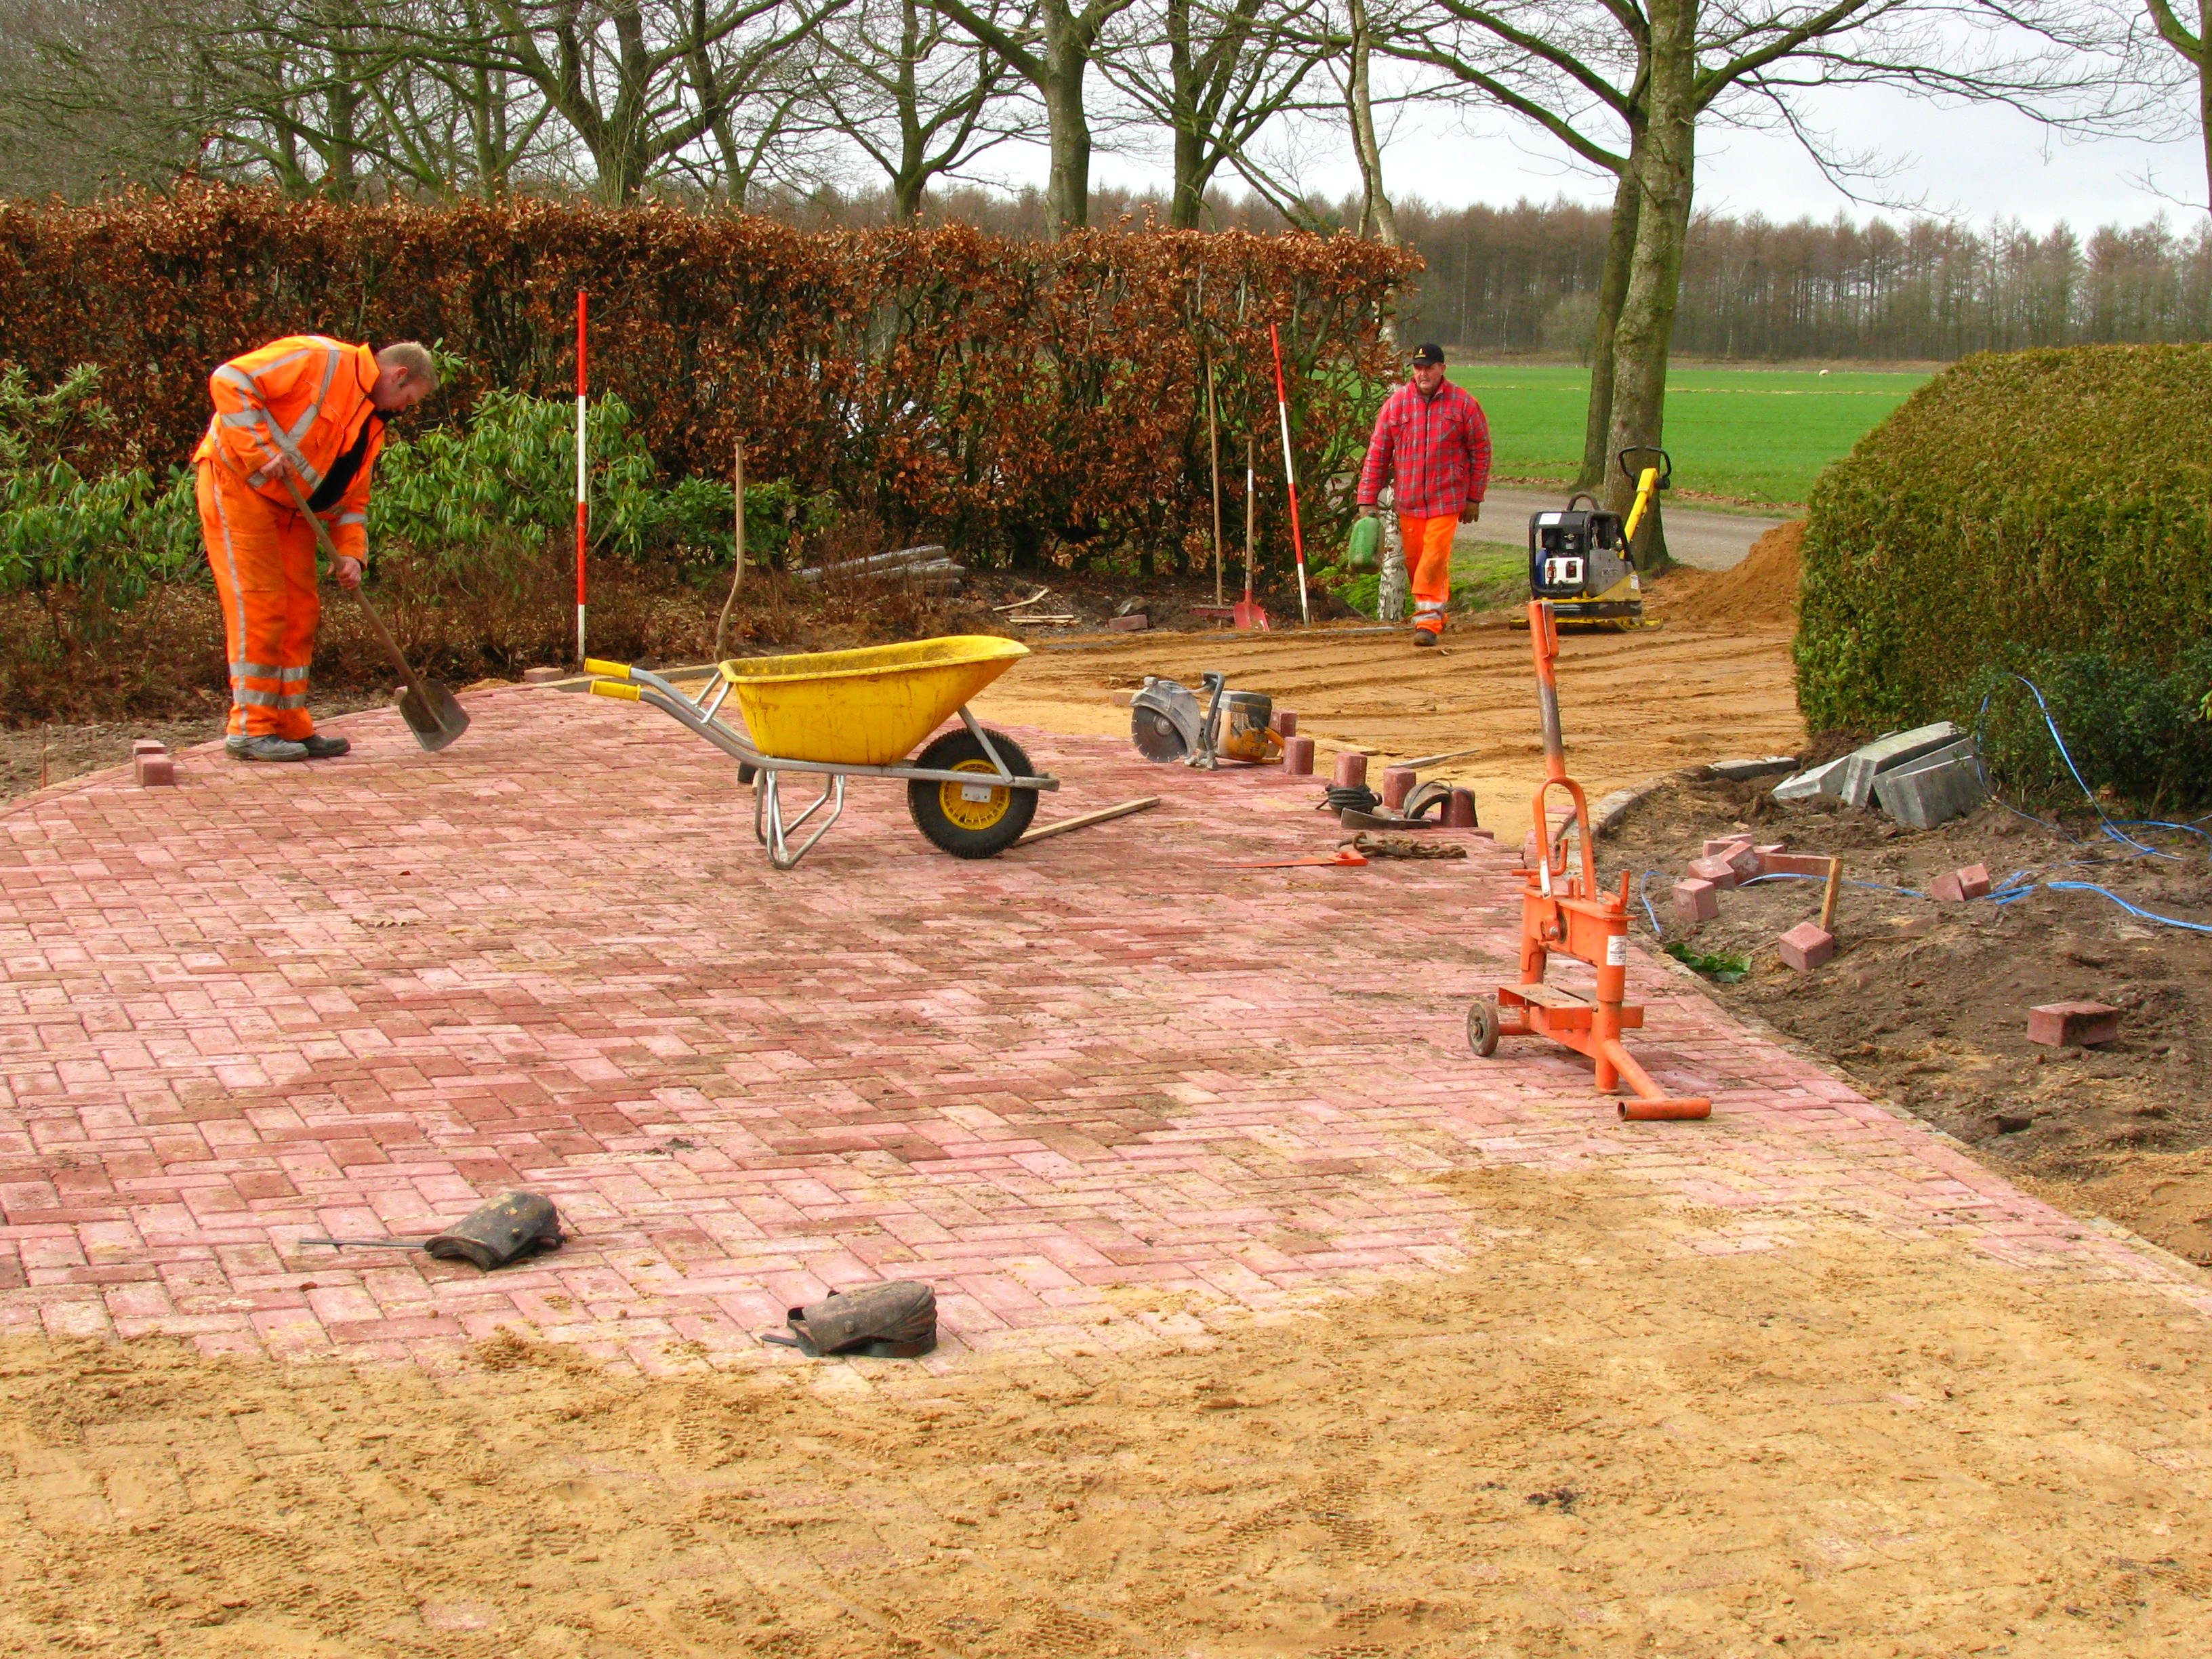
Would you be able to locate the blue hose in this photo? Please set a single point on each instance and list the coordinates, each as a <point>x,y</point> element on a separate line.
<point>2111,827</point>
<point>2147,915</point>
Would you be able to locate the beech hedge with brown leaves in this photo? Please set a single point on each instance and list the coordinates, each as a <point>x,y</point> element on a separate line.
<point>1016,399</point>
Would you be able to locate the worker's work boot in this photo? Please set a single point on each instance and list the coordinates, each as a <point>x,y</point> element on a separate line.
<point>319,747</point>
<point>1423,636</point>
<point>266,747</point>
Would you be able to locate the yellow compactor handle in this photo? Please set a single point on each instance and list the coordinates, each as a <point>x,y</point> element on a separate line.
<point>614,689</point>
<point>1646,481</point>
<point>613,671</point>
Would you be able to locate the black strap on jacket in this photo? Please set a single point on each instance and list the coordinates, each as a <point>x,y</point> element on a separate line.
<point>339,479</point>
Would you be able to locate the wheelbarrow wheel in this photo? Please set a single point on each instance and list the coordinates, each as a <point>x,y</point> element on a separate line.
<point>971,820</point>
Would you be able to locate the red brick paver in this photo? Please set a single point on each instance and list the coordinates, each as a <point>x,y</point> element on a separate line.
<point>356,996</point>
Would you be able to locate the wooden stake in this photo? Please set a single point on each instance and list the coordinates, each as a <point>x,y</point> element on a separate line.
<point>1251,515</point>
<point>1828,898</point>
<point>1044,831</point>
<point>737,547</point>
<point>1213,448</point>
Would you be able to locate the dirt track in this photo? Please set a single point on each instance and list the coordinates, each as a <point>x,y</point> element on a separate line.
<point>1635,704</point>
<point>1598,1443</point>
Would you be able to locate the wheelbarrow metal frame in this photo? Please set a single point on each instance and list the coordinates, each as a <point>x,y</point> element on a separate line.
<point>771,828</point>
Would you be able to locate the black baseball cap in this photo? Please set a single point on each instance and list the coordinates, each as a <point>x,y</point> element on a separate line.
<point>1430,352</point>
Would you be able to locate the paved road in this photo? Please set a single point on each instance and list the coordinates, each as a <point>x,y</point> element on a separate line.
<point>1709,540</point>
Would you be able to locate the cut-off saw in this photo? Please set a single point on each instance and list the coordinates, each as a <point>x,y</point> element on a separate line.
<point>1167,724</point>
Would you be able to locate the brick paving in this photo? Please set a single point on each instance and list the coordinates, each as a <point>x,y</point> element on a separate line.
<point>357,996</point>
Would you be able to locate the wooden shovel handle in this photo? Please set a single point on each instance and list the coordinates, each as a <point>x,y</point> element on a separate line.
<point>330,551</point>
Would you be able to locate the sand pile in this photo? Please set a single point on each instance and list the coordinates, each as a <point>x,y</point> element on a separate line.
<point>1761,593</point>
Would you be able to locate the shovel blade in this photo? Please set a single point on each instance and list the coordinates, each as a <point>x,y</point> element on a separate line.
<point>1250,616</point>
<point>432,713</point>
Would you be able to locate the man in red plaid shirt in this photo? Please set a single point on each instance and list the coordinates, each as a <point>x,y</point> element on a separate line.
<point>1433,443</point>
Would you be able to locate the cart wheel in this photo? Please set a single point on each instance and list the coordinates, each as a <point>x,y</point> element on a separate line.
<point>1482,1027</point>
<point>967,819</point>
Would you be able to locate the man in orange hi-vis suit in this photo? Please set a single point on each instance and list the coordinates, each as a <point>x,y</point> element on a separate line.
<point>313,410</point>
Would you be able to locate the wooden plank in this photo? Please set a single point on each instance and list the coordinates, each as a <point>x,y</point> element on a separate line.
<point>1438,760</point>
<point>1045,831</point>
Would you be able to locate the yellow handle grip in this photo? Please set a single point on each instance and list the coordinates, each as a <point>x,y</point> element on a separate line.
<point>1644,484</point>
<point>610,688</point>
<point>613,671</point>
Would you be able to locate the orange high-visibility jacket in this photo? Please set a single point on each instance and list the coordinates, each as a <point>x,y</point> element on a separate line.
<point>298,401</point>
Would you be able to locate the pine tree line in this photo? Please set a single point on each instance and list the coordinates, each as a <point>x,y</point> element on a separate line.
<point>1525,279</point>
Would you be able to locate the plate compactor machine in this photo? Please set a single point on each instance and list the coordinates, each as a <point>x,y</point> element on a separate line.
<point>1578,560</point>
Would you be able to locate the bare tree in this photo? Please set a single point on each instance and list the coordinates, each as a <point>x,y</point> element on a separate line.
<point>1215,73</point>
<point>93,92</point>
<point>915,100</point>
<point>1377,218</point>
<point>2194,52</point>
<point>1052,48</point>
<point>1624,86</point>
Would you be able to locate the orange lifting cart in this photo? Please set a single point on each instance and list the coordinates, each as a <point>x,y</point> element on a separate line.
<point>1568,915</point>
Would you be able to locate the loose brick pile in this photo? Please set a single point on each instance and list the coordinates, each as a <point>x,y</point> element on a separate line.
<point>356,996</point>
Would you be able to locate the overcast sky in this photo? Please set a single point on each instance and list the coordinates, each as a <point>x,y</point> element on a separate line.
<point>1978,163</point>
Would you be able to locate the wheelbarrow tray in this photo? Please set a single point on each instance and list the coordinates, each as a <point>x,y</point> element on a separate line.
<point>871,706</point>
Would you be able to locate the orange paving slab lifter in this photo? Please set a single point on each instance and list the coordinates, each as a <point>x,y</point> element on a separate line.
<point>1567,913</point>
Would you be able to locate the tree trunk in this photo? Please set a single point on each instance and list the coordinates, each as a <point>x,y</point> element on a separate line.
<point>1066,55</point>
<point>1620,245</point>
<point>1377,218</point>
<point>2204,86</point>
<point>1188,204</point>
<point>1664,175</point>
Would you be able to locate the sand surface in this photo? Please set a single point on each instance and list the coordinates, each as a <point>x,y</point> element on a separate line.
<point>1598,1442</point>
<point>1634,705</point>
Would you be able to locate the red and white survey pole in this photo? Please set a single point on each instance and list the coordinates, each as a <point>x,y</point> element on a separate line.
<point>583,498</point>
<point>1290,475</point>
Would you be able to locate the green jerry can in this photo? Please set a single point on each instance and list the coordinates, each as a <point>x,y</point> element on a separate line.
<point>1364,551</point>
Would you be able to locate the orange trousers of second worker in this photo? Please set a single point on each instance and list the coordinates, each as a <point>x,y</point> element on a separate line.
<point>1428,545</point>
<point>263,560</point>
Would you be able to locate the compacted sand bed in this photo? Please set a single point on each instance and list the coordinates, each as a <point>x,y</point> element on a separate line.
<point>1610,1437</point>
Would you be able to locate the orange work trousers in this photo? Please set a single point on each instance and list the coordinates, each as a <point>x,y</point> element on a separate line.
<point>1428,545</point>
<point>264,559</point>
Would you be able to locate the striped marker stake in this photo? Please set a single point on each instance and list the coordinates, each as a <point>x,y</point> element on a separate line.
<point>583,498</point>
<point>1291,475</point>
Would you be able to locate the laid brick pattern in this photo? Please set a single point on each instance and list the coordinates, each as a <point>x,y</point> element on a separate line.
<point>356,996</point>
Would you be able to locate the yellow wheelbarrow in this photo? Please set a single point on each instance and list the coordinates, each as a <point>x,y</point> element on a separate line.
<point>842,714</point>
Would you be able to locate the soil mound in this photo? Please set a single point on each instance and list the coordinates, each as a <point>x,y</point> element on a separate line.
<point>1762,592</point>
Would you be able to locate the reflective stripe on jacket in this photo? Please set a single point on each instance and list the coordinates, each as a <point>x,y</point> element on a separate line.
<point>298,403</point>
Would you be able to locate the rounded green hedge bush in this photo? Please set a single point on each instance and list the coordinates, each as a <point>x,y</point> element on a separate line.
<point>2017,505</point>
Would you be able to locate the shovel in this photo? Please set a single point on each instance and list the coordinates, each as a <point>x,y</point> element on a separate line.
<point>431,712</point>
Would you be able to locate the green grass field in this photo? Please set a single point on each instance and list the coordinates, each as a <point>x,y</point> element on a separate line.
<point>1755,435</point>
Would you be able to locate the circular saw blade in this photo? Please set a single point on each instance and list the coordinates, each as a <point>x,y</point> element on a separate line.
<point>1157,738</point>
